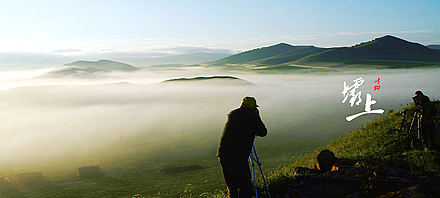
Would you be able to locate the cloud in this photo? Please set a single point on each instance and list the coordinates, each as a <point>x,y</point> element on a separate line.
<point>73,117</point>
<point>147,52</point>
<point>41,34</point>
<point>60,51</point>
<point>139,52</point>
<point>89,47</point>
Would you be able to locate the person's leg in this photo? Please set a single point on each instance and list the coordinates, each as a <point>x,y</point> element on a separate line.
<point>244,178</point>
<point>229,177</point>
<point>425,134</point>
<point>431,133</point>
<point>237,176</point>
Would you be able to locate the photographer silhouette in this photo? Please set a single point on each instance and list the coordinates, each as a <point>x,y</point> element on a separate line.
<point>427,112</point>
<point>236,144</point>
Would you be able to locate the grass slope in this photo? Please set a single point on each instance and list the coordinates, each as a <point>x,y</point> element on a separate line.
<point>375,140</point>
<point>295,54</point>
<point>256,54</point>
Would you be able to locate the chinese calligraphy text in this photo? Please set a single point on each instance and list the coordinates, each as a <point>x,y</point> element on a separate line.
<point>350,91</point>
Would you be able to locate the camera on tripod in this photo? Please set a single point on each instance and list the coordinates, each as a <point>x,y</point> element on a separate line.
<point>416,100</point>
<point>414,127</point>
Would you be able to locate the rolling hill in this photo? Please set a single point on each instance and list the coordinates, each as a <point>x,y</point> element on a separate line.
<point>387,51</point>
<point>272,55</point>
<point>86,69</point>
<point>104,65</point>
<point>211,80</point>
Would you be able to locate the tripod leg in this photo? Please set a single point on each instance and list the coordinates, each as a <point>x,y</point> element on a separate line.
<point>419,129</point>
<point>412,123</point>
<point>419,135</point>
<point>405,126</point>
<point>255,176</point>
<point>261,171</point>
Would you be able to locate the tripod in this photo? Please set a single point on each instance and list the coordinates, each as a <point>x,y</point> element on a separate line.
<point>419,125</point>
<point>409,128</point>
<point>256,160</point>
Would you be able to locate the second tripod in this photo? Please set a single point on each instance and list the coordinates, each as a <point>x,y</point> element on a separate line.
<point>409,128</point>
<point>413,129</point>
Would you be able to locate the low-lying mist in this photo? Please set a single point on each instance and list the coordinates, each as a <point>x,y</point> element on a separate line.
<point>45,121</point>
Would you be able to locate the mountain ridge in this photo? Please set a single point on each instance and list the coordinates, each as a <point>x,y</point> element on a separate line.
<point>211,80</point>
<point>386,51</point>
<point>380,50</point>
<point>88,69</point>
<point>105,65</point>
<point>383,52</point>
<point>263,52</point>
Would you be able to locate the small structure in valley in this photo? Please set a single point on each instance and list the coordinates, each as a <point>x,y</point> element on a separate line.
<point>30,177</point>
<point>89,171</point>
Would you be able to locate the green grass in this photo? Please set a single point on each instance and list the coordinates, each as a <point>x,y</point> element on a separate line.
<point>376,139</point>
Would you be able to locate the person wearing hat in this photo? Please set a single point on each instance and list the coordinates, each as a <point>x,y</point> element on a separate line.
<point>427,112</point>
<point>237,139</point>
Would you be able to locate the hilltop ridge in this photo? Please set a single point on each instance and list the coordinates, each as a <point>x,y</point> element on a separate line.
<point>105,65</point>
<point>257,54</point>
<point>383,49</point>
<point>272,55</point>
<point>387,51</point>
<point>212,80</point>
<point>88,69</point>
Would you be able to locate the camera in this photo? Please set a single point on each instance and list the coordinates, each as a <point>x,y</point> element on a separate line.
<point>416,100</point>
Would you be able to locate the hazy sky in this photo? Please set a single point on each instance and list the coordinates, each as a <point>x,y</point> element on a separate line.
<point>99,26</point>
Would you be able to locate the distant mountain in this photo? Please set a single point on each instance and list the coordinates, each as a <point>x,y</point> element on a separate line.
<point>104,65</point>
<point>257,54</point>
<point>436,47</point>
<point>295,54</point>
<point>388,51</point>
<point>194,58</point>
<point>88,69</point>
<point>276,54</point>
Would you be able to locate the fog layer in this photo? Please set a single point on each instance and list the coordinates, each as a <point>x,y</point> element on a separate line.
<point>48,120</point>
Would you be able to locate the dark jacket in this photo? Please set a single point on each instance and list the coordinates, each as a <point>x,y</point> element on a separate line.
<point>426,109</point>
<point>239,133</point>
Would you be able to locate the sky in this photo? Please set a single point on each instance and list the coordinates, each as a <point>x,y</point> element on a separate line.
<point>67,27</point>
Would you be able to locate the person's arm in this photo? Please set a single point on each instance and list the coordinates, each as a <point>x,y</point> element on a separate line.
<point>260,128</point>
